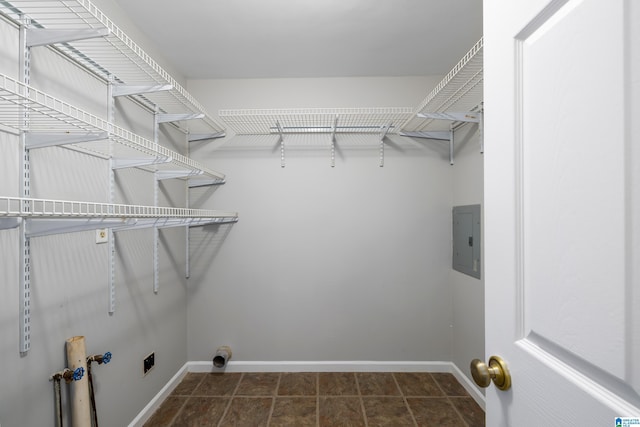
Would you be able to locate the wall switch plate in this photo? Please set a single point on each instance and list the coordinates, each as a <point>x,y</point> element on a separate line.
<point>102,235</point>
<point>148,363</point>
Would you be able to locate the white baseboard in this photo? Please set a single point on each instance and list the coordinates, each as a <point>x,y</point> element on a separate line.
<point>315,366</point>
<point>310,366</point>
<point>468,385</point>
<point>157,400</point>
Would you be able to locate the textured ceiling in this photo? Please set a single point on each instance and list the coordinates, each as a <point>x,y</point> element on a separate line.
<point>309,38</point>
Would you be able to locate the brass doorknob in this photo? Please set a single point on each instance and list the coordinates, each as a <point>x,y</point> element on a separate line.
<point>496,370</point>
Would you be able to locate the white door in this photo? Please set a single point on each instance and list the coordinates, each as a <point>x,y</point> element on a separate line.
<point>562,210</point>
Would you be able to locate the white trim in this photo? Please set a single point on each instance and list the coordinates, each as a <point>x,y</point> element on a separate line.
<point>307,366</point>
<point>468,385</point>
<point>322,366</point>
<point>157,400</point>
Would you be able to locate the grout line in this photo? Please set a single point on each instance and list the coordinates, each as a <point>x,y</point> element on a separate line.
<point>457,411</point>
<point>197,385</point>
<point>226,409</point>
<point>404,399</point>
<point>449,400</point>
<point>273,401</point>
<point>317,399</point>
<point>364,413</point>
<point>175,417</point>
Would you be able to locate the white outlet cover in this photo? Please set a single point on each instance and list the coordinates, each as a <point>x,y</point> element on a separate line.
<point>102,235</point>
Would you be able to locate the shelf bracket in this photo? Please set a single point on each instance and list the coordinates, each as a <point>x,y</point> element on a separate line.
<point>333,142</point>
<point>195,183</point>
<point>481,131</point>
<point>383,134</point>
<point>281,141</point>
<point>46,36</point>
<point>11,222</point>
<point>168,117</point>
<point>172,174</point>
<point>451,145</point>
<point>39,140</point>
<point>123,163</point>
<point>128,90</point>
<point>443,135</point>
<point>193,137</point>
<point>457,119</point>
<point>467,117</point>
<point>49,226</point>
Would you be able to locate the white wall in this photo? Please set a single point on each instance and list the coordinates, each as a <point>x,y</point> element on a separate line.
<point>344,263</point>
<point>70,272</point>
<point>468,292</point>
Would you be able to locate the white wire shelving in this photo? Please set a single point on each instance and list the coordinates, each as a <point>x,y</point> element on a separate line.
<point>50,121</point>
<point>458,93</point>
<point>331,121</point>
<point>45,216</point>
<point>315,120</point>
<point>113,56</point>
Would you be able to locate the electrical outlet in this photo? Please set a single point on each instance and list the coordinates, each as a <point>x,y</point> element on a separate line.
<point>102,235</point>
<point>148,363</point>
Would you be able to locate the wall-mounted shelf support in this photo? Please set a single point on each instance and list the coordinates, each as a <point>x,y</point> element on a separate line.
<point>195,183</point>
<point>138,162</point>
<point>333,141</point>
<point>443,135</point>
<point>383,134</point>
<point>168,118</point>
<point>194,137</point>
<point>281,141</point>
<point>51,226</point>
<point>23,122</point>
<point>7,223</point>
<point>128,90</point>
<point>41,140</point>
<point>451,144</point>
<point>172,174</point>
<point>457,120</point>
<point>46,36</point>
<point>467,117</point>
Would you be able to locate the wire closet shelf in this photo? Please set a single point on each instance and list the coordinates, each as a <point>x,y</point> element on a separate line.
<point>24,108</point>
<point>114,56</point>
<point>460,91</point>
<point>130,216</point>
<point>315,120</point>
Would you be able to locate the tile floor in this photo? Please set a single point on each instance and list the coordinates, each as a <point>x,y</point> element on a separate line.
<point>318,399</point>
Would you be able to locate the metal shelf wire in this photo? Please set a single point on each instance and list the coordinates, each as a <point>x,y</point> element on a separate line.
<point>47,216</point>
<point>315,120</point>
<point>24,108</point>
<point>114,55</point>
<point>460,91</point>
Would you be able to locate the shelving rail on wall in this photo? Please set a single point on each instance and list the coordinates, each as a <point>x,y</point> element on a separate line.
<point>454,102</point>
<point>78,30</point>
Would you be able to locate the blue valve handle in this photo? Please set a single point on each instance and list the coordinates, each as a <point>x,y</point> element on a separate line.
<point>106,358</point>
<point>78,374</point>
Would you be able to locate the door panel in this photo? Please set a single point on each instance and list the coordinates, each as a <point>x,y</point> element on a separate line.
<point>561,209</point>
<point>573,184</point>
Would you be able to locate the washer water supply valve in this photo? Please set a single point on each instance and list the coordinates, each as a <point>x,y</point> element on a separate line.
<point>68,375</point>
<point>100,358</point>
